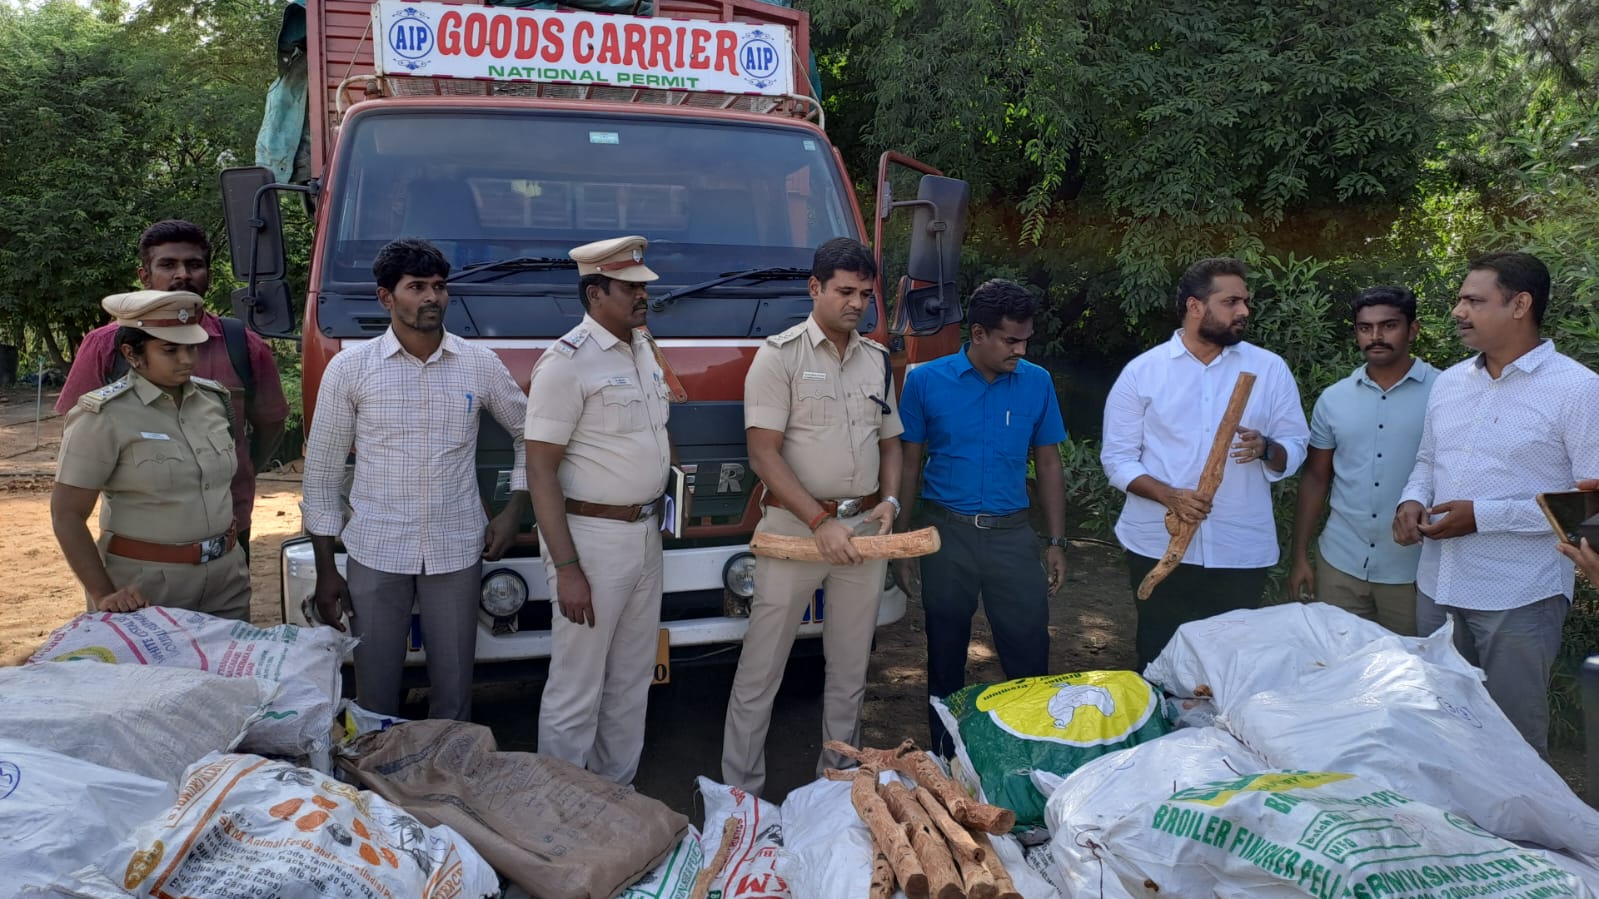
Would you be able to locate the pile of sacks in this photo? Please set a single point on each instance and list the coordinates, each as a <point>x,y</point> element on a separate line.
<point>1333,759</point>
<point>1292,751</point>
<point>170,753</point>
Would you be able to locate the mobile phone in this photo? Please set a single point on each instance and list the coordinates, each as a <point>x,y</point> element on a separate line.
<point>1573,514</point>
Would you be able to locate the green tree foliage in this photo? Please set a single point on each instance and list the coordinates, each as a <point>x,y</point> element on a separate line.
<point>1185,129</point>
<point>129,121</point>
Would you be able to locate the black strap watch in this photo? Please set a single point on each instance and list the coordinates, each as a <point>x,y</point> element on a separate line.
<point>1061,542</point>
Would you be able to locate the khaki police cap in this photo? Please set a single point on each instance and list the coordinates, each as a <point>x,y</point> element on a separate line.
<point>621,258</point>
<point>163,314</point>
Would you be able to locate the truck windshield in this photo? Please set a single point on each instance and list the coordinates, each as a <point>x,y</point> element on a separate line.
<point>487,186</point>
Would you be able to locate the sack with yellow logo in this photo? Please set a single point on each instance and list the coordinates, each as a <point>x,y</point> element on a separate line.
<point>1055,723</point>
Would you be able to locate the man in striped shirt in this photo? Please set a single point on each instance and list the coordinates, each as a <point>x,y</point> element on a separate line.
<point>409,403</point>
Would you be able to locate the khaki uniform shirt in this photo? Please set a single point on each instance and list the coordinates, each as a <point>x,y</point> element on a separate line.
<point>164,471</point>
<point>607,402</point>
<point>826,407</point>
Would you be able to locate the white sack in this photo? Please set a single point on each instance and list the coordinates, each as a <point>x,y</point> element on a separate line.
<point>303,661</point>
<point>155,722</point>
<point>751,871</point>
<point>245,827</point>
<point>1099,794</point>
<point>59,813</point>
<point>827,848</point>
<point>1232,656</point>
<point>1430,733</point>
<point>1293,834</point>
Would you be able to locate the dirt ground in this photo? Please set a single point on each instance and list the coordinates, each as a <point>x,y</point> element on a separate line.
<point>1091,621</point>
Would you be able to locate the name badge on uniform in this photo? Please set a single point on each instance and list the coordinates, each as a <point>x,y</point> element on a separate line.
<point>813,376</point>
<point>150,435</point>
<point>620,381</point>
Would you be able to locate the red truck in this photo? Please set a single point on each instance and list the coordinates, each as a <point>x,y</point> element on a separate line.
<point>507,136</point>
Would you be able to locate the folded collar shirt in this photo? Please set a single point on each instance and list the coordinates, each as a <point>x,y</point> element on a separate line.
<point>1373,434</point>
<point>413,423</point>
<point>1500,442</point>
<point>979,433</point>
<point>1160,420</point>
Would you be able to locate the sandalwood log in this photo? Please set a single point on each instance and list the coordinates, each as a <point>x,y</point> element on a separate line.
<point>888,834</point>
<point>702,883</point>
<point>968,855</point>
<point>943,880</point>
<point>882,875</point>
<point>913,763</point>
<point>908,545</point>
<point>1004,885</point>
<point>1182,532</point>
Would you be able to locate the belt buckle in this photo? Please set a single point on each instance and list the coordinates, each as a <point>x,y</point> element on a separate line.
<point>983,522</point>
<point>848,508</point>
<point>212,549</point>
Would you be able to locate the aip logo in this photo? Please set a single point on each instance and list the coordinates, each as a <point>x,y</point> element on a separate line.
<point>410,37</point>
<point>758,56</point>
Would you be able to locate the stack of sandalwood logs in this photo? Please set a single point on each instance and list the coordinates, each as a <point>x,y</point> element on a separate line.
<point>931,839</point>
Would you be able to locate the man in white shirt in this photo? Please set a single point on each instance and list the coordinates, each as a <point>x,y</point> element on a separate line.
<point>1160,420</point>
<point>409,402</point>
<point>1513,421</point>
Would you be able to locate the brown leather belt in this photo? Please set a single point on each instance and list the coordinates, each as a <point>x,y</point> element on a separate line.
<point>174,553</point>
<point>842,508</point>
<point>614,513</point>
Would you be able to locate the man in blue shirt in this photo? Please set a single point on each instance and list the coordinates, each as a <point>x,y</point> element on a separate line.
<point>1363,438</point>
<point>975,417</point>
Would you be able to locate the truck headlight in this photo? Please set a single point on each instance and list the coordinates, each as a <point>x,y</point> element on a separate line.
<point>504,593</point>
<point>738,575</point>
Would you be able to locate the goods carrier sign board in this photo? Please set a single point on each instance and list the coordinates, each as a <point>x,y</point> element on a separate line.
<point>443,40</point>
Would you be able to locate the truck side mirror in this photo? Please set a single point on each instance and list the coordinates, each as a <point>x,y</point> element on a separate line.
<point>929,295</point>
<point>268,310</point>
<point>255,229</point>
<point>937,229</point>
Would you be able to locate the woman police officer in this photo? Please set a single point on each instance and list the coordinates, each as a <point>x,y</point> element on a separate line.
<point>157,444</point>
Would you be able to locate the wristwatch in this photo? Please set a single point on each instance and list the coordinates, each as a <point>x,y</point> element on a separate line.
<point>1061,542</point>
<point>1265,452</point>
<point>894,500</point>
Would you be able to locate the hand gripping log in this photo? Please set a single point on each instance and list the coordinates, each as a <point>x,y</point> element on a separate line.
<point>908,545</point>
<point>1182,532</point>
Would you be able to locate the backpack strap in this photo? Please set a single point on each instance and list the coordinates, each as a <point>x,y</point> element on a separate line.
<point>233,335</point>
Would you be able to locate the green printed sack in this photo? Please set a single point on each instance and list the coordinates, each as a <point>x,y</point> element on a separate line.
<point>1004,732</point>
<point>1292,834</point>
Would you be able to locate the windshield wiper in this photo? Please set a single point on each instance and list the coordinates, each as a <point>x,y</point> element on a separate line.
<point>751,274</point>
<point>499,268</point>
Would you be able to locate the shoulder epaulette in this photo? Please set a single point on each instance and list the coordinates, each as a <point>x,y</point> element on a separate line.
<point>214,386</point>
<point>786,336</point>
<point>571,340</point>
<point>874,344</point>
<point>98,397</point>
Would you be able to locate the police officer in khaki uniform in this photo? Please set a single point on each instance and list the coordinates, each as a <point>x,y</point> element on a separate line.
<point>597,459</point>
<point>157,444</point>
<point>822,426</point>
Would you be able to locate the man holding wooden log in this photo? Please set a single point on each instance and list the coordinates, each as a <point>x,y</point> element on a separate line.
<point>1204,526</point>
<point>976,417</point>
<point>822,427</point>
<point>1513,421</point>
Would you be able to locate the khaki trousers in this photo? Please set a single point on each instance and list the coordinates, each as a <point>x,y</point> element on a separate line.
<point>783,590</point>
<point>220,587</point>
<point>1391,605</point>
<point>592,713</point>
